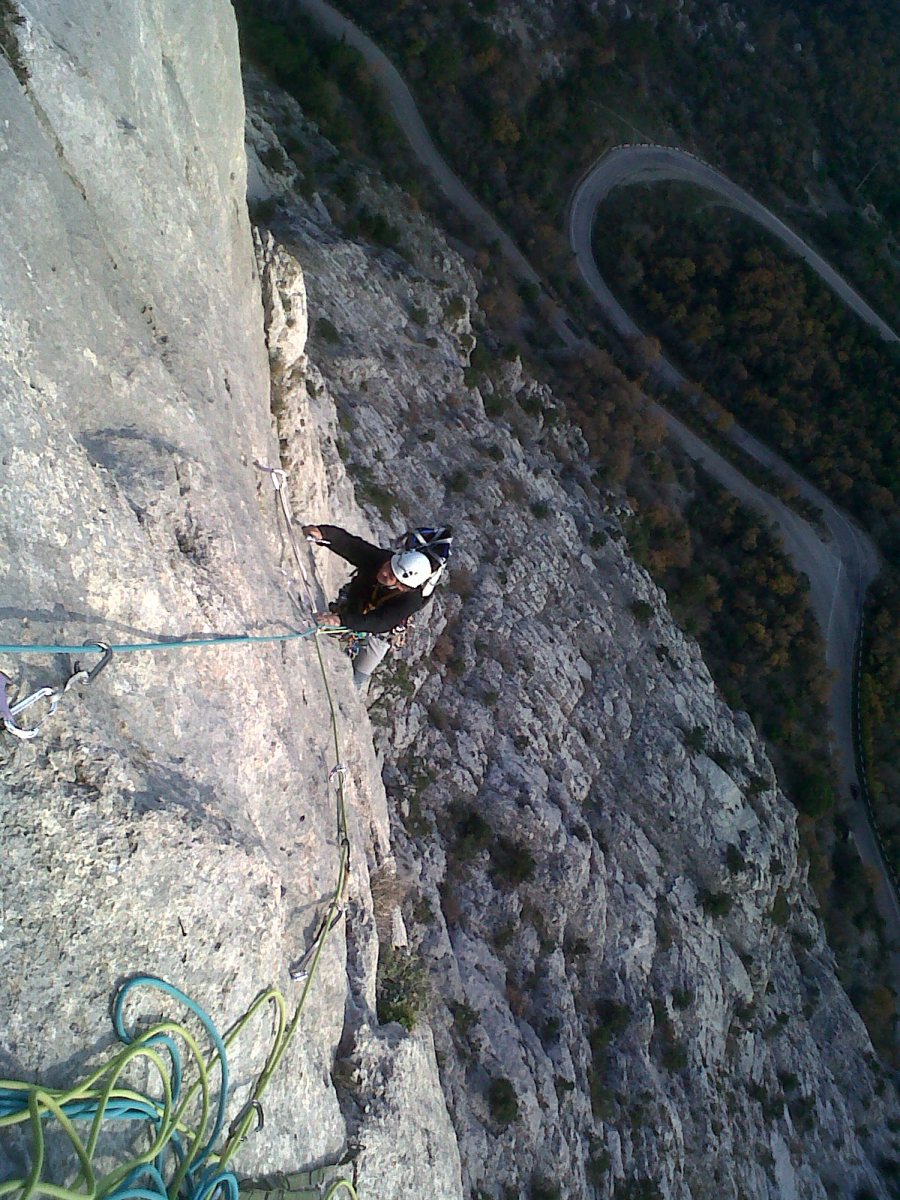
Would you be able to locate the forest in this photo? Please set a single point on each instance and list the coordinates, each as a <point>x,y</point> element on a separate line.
<point>760,333</point>
<point>765,337</point>
<point>799,105</point>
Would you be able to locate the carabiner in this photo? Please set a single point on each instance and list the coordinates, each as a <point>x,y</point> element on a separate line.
<point>106,650</point>
<point>9,712</point>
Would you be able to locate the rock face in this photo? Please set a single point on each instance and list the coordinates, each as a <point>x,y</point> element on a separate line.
<point>634,994</point>
<point>175,817</point>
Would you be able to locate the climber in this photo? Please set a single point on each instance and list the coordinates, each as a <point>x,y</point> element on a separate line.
<point>387,588</point>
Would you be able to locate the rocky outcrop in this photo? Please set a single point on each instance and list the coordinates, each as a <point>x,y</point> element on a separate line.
<point>633,996</point>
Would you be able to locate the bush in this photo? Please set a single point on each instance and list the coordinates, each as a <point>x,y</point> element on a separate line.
<point>695,739</point>
<point>642,611</point>
<point>530,292</point>
<point>262,211</point>
<point>717,904</point>
<point>674,1056</point>
<point>512,862</point>
<point>496,404</point>
<point>274,159</point>
<point>327,331</point>
<point>540,509</point>
<point>419,316</point>
<point>542,1189</point>
<point>456,309</point>
<point>734,860</point>
<point>401,988</point>
<point>502,1102</point>
<point>781,909</point>
<point>814,794</point>
<point>473,833</point>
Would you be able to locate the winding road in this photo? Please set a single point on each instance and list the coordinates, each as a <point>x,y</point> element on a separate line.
<point>840,568</point>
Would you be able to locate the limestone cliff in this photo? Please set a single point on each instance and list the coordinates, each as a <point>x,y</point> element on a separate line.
<point>633,996</point>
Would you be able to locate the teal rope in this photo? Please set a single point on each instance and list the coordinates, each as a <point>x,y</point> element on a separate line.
<point>123,648</point>
<point>184,1123</point>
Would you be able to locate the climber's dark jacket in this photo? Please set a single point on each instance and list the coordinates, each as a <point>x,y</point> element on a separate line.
<point>364,604</point>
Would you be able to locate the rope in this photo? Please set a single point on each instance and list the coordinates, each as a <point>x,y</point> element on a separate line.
<point>279,478</point>
<point>53,695</point>
<point>175,643</point>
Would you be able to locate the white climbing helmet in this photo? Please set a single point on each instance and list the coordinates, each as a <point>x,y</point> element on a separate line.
<point>411,568</point>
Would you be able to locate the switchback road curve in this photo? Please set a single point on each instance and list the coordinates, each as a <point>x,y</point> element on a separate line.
<point>839,569</point>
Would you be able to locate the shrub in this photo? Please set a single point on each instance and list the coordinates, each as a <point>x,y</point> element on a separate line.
<point>674,1055</point>
<point>274,159</point>
<point>530,292</point>
<point>388,893</point>
<point>781,909</point>
<point>695,739</point>
<point>540,508</point>
<point>458,481</point>
<point>464,1019</point>
<point>347,188</point>
<point>512,862</point>
<point>717,904</point>
<point>401,988</point>
<point>419,316</point>
<point>368,492</point>
<point>10,17</point>
<point>456,309</point>
<point>598,1164</point>
<point>542,1189</point>
<point>642,611</point>
<point>814,794</point>
<point>502,1102</point>
<point>473,833</point>
<point>734,860</point>
<point>262,211</point>
<point>682,997</point>
<point>327,331</point>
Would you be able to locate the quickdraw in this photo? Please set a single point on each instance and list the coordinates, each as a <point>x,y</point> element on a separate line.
<point>51,695</point>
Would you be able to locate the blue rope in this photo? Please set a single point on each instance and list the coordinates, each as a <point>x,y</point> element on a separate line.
<point>186,1165</point>
<point>225,639</point>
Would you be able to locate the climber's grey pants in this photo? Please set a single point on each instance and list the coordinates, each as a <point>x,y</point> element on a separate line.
<point>373,650</point>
